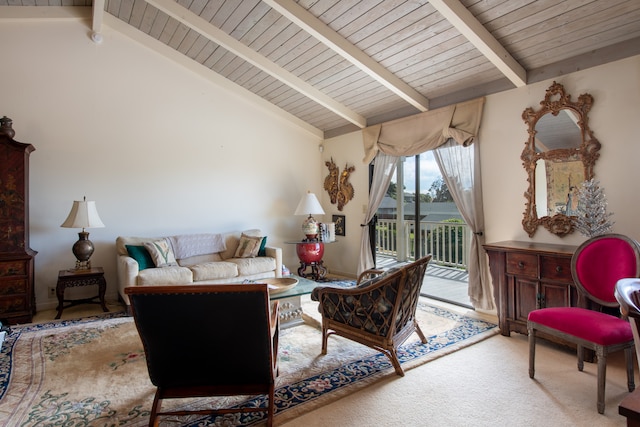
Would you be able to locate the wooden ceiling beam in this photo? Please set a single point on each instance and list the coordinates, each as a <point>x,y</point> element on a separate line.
<point>216,35</point>
<point>334,41</point>
<point>464,21</point>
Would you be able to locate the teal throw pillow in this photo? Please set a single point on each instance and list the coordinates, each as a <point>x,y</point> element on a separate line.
<point>261,251</point>
<point>140,254</point>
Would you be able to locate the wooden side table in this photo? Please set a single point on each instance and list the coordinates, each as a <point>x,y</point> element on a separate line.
<point>75,278</point>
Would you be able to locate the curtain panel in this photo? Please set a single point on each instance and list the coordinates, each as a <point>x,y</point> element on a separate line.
<point>425,131</point>
<point>416,134</point>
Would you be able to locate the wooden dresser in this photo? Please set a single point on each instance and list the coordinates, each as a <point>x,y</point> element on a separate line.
<point>527,276</point>
<point>17,298</point>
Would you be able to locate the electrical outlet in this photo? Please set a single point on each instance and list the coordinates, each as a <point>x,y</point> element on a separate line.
<point>52,292</point>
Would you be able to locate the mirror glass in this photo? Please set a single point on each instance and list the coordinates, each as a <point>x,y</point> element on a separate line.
<point>558,157</point>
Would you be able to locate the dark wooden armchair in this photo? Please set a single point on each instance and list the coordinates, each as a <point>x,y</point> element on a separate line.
<point>208,340</point>
<point>379,312</point>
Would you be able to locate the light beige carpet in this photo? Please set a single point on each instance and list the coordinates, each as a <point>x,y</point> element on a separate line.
<point>487,385</point>
<point>93,373</point>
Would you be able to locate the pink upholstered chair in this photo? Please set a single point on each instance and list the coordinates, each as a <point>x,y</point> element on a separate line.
<point>597,265</point>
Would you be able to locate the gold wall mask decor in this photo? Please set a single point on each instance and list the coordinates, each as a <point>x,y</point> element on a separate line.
<point>337,184</point>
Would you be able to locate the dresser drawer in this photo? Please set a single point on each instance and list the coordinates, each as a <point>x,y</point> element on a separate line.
<point>553,268</point>
<point>13,286</point>
<point>13,304</point>
<point>522,264</point>
<point>14,268</point>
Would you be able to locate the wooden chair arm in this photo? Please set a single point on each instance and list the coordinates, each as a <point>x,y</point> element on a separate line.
<point>275,318</point>
<point>367,273</point>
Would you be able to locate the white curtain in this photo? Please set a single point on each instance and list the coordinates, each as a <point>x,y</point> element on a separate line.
<point>414,135</point>
<point>383,168</point>
<point>460,168</point>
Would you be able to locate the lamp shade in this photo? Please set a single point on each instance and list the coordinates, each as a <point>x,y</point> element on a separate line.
<point>83,215</point>
<point>309,205</point>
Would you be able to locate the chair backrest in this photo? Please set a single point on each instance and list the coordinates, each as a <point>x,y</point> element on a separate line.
<point>600,262</point>
<point>414,276</point>
<point>628,296</point>
<point>196,336</point>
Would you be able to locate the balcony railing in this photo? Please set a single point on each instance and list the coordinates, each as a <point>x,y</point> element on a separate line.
<point>447,242</point>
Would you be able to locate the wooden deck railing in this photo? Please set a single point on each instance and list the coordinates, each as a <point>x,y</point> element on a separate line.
<point>447,242</point>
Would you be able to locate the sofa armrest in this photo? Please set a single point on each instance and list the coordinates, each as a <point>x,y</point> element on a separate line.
<point>275,253</point>
<point>128,270</point>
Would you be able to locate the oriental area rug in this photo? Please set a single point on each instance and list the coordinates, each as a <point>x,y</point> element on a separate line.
<point>92,371</point>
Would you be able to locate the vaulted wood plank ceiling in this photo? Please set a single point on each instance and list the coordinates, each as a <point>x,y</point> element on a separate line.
<point>340,65</point>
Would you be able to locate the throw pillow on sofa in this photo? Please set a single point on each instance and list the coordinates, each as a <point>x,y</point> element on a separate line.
<point>263,244</point>
<point>248,246</point>
<point>141,255</point>
<point>161,253</point>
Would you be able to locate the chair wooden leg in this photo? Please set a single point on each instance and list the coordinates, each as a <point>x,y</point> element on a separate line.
<point>629,354</point>
<point>155,408</point>
<point>532,352</point>
<point>325,336</point>
<point>393,356</point>
<point>271,407</point>
<point>419,332</point>
<point>602,376</point>
<point>580,352</point>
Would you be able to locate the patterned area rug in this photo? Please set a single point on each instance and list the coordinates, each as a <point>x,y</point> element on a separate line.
<point>92,371</point>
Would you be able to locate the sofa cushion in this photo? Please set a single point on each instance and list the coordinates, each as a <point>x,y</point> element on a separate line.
<point>123,241</point>
<point>233,238</point>
<point>214,270</point>
<point>257,265</point>
<point>263,245</point>
<point>141,255</point>
<point>248,246</point>
<point>161,252</point>
<point>199,259</point>
<point>174,275</point>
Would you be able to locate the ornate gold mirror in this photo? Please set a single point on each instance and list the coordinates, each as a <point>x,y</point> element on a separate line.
<point>559,155</point>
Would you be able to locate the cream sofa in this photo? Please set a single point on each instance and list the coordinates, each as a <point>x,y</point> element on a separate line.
<point>199,259</point>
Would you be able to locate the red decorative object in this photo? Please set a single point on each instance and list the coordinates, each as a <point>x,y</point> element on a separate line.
<point>310,255</point>
<point>310,252</point>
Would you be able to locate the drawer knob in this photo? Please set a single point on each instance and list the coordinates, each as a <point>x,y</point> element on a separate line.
<point>520,264</point>
<point>559,269</point>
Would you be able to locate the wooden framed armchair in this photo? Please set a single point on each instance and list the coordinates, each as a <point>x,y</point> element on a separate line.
<point>208,340</point>
<point>378,312</point>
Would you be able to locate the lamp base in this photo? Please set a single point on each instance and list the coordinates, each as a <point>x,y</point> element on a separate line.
<point>83,265</point>
<point>310,228</point>
<point>83,249</point>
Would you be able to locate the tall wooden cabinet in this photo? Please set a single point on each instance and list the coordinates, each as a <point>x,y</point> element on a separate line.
<point>17,298</point>
<point>527,276</point>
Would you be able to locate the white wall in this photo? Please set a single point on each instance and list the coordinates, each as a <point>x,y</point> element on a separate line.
<point>613,119</point>
<point>160,149</point>
<point>342,257</point>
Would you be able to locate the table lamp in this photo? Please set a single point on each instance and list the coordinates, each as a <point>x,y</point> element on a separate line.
<point>83,215</point>
<point>309,205</point>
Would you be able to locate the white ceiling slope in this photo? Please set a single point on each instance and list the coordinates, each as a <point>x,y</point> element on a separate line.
<point>341,65</point>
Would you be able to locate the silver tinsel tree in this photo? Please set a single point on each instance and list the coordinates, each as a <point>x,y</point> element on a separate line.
<point>592,218</point>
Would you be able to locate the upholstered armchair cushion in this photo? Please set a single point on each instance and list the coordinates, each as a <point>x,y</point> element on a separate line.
<point>368,306</point>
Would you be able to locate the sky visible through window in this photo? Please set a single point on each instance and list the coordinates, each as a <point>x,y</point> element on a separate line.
<point>429,172</point>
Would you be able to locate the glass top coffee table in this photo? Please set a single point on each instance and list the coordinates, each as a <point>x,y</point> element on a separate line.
<point>304,287</point>
<point>290,301</point>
